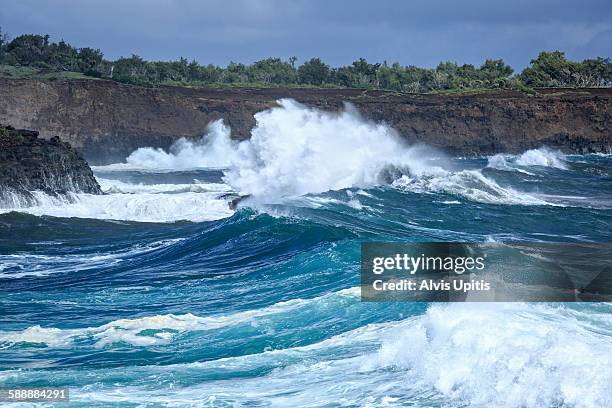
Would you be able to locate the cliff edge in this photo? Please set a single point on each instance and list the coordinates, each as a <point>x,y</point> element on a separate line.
<point>29,163</point>
<point>105,120</point>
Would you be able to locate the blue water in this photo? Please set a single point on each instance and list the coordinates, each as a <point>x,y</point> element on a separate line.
<point>259,307</point>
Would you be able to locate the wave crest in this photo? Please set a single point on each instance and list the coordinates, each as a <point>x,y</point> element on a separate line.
<point>510,355</point>
<point>213,150</point>
<point>542,157</point>
<point>295,150</point>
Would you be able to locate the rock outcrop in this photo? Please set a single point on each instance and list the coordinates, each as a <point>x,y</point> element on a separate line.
<point>29,163</point>
<point>106,121</point>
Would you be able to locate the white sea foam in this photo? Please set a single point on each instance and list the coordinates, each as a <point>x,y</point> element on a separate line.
<point>542,157</point>
<point>111,186</point>
<point>512,355</point>
<point>296,150</point>
<point>471,184</point>
<point>293,150</point>
<point>213,150</point>
<point>155,330</point>
<point>143,207</point>
<point>505,162</point>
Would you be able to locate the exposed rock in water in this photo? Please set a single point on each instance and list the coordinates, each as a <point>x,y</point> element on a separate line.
<point>29,163</point>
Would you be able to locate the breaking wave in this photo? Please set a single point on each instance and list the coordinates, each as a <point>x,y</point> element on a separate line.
<point>158,329</point>
<point>293,151</point>
<point>515,355</point>
<point>192,203</point>
<point>542,157</point>
<point>517,347</point>
<point>212,150</point>
<point>471,184</point>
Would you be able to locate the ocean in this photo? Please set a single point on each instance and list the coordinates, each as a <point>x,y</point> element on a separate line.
<point>158,294</point>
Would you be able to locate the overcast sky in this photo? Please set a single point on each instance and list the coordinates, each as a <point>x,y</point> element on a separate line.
<point>412,32</point>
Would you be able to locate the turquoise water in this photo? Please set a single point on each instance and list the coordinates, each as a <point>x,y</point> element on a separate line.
<point>158,295</point>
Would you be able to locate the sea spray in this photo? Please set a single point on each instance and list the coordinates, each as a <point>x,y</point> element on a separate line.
<point>214,149</point>
<point>516,347</point>
<point>191,204</point>
<point>295,150</point>
<point>542,157</point>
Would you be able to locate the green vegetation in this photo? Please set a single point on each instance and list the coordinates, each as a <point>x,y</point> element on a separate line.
<point>18,72</point>
<point>34,56</point>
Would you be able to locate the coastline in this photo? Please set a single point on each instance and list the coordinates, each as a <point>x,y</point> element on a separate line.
<point>105,120</point>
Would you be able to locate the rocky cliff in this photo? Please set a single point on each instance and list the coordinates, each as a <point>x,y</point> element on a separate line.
<point>29,163</point>
<point>106,120</point>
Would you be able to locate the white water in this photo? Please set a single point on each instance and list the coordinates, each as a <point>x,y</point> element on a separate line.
<point>293,151</point>
<point>471,184</point>
<point>157,329</point>
<point>511,355</point>
<point>542,157</point>
<point>296,150</point>
<point>136,202</point>
<point>213,150</point>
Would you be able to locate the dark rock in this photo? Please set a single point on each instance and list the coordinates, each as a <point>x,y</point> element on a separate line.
<point>105,121</point>
<point>29,163</point>
<point>234,203</point>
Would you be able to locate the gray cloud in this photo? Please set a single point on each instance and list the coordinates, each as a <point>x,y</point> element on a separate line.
<point>419,32</point>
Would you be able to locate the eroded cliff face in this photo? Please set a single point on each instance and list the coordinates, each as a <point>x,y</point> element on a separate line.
<point>106,120</point>
<point>29,163</point>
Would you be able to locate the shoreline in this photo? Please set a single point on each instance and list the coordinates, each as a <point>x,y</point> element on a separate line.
<point>105,121</point>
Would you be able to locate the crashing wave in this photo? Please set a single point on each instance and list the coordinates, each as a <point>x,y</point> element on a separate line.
<point>293,151</point>
<point>142,207</point>
<point>542,157</point>
<point>494,355</point>
<point>213,150</point>
<point>471,184</point>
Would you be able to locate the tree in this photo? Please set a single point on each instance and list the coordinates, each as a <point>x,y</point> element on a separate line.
<point>594,73</point>
<point>494,69</point>
<point>272,71</point>
<point>91,61</point>
<point>235,73</point>
<point>391,77</point>
<point>313,72</point>
<point>549,69</point>
<point>132,70</point>
<point>62,57</point>
<point>29,49</point>
<point>365,73</point>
